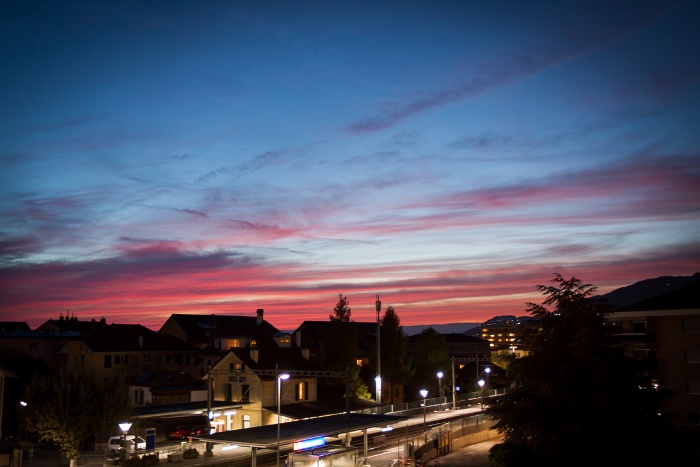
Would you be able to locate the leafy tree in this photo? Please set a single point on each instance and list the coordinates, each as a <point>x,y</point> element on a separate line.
<point>429,358</point>
<point>69,406</point>
<point>395,370</point>
<point>342,353</point>
<point>577,399</point>
<point>342,311</point>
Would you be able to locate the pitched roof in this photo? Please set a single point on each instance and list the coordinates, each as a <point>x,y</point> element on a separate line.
<point>14,326</point>
<point>269,358</point>
<point>71,324</point>
<point>366,332</point>
<point>206,328</point>
<point>130,337</point>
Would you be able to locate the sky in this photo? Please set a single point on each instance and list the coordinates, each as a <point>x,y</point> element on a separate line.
<point>217,157</point>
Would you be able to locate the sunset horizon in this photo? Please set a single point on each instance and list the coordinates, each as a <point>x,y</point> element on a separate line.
<point>207,157</point>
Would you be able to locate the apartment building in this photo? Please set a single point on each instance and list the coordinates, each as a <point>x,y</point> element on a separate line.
<point>664,331</point>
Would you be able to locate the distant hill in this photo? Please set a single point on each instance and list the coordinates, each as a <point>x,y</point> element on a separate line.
<point>450,328</point>
<point>648,288</point>
<point>618,298</point>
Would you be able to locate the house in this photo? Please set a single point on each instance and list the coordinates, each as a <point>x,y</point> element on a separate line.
<point>664,331</point>
<point>312,337</point>
<point>223,332</point>
<point>121,352</point>
<point>248,377</point>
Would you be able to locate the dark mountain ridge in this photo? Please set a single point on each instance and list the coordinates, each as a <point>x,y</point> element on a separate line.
<point>618,298</point>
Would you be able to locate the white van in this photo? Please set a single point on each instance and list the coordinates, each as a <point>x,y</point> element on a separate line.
<point>133,443</point>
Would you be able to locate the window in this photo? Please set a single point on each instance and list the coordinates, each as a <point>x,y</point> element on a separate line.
<point>246,421</point>
<point>240,367</point>
<point>108,361</point>
<point>245,393</point>
<point>230,343</point>
<point>228,392</point>
<point>639,327</point>
<point>301,391</point>
<point>32,346</point>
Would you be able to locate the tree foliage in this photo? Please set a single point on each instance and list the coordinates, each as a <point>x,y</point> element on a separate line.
<point>341,311</point>
<point>429,358</point>
<point>69,406</point>
<point>343,348</point>
<point>577,399</point>
<point>395,370</point>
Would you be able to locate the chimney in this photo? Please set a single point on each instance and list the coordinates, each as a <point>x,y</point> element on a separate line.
<point>260,315</point>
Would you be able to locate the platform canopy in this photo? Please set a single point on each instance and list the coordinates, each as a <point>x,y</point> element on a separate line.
<point>266,436</point>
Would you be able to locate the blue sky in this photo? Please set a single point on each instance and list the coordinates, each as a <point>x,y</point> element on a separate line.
<point>219,157</point>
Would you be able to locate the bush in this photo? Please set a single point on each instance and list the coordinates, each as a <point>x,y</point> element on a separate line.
<point>190,453</point>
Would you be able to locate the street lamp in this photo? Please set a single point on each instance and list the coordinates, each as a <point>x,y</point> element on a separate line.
<point>124,426</point>
<point>481,385</point>
<point>424,394</point>
<point>488,373</point>
<point>279,399</point>
<point>439,376</point>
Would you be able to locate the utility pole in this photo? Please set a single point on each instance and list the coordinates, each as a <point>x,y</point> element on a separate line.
<point>209,451</point>
<point>378,379</point>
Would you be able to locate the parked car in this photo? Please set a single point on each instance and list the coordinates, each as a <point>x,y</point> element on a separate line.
<point>179,432</point>
<point>199,430</point>
<point>133,443</point>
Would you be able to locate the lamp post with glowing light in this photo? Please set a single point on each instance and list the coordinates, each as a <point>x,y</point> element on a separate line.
<point>487,370</point>
<point>439,377</point>
<point>279,402</point>
<point>481,385</point>
<point>125,429</point>
<point>424,394</point>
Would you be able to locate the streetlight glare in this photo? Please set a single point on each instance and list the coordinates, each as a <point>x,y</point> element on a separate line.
<point>440,374</point>
<point>424,392</point>
<point>280,377</point>
<point>125,426</point>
